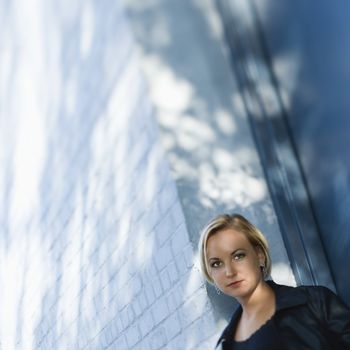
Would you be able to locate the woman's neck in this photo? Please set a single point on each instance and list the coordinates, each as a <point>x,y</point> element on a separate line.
<point>261,301</point>
<point>257,309</point>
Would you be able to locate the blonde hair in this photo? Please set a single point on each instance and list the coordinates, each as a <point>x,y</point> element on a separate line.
<point>240,224</point>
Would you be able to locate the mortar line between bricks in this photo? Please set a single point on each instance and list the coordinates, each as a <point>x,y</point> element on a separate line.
<point>162,220</point>
<point>164,215</point>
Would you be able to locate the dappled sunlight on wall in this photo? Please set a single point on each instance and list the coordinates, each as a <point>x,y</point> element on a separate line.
<point>220,172</point>
<point>198,106</point>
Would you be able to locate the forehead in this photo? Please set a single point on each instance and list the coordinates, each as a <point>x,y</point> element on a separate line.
<point>226,241</point>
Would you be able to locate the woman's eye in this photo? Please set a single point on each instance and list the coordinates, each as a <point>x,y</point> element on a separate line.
<point>239,256</point>
<point>216,264</point>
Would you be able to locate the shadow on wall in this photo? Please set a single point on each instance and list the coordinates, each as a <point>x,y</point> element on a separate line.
<point>310,52</point>
<point>308,94</point>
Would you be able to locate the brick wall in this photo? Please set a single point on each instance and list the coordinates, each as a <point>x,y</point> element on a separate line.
<point>94,251</point>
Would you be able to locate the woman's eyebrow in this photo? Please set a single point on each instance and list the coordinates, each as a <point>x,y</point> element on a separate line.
<point>213,259</point>
<point>235,251</point>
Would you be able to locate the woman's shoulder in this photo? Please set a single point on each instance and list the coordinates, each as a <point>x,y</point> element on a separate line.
<point>320,299</point>
<point>317,291</point>
<point>325,299</point>
<point>307,290</point>
<point>319,295</point>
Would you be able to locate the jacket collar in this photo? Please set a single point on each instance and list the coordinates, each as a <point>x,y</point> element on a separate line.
<point>286,297</point>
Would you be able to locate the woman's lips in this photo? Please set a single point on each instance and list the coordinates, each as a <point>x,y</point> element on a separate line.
<point>235,284</point>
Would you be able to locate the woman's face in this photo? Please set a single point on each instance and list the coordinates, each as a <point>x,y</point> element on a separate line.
<point>234,264</point>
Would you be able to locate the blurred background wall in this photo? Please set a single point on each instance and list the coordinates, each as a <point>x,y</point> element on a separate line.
<point>309,51</point>
<point>291,62</point>
<point>122,132</point>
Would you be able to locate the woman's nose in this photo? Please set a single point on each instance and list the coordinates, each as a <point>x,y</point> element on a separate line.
<point>230,271</point>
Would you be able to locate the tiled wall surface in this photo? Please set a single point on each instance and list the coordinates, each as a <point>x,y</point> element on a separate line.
<point>94,250</point>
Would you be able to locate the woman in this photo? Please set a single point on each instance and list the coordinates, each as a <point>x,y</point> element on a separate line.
<point>235,258</point>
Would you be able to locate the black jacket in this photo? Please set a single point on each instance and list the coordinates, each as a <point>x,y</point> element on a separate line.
<point>306,317</point>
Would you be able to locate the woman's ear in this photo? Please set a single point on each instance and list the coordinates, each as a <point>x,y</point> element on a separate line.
<point>261,256</point>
